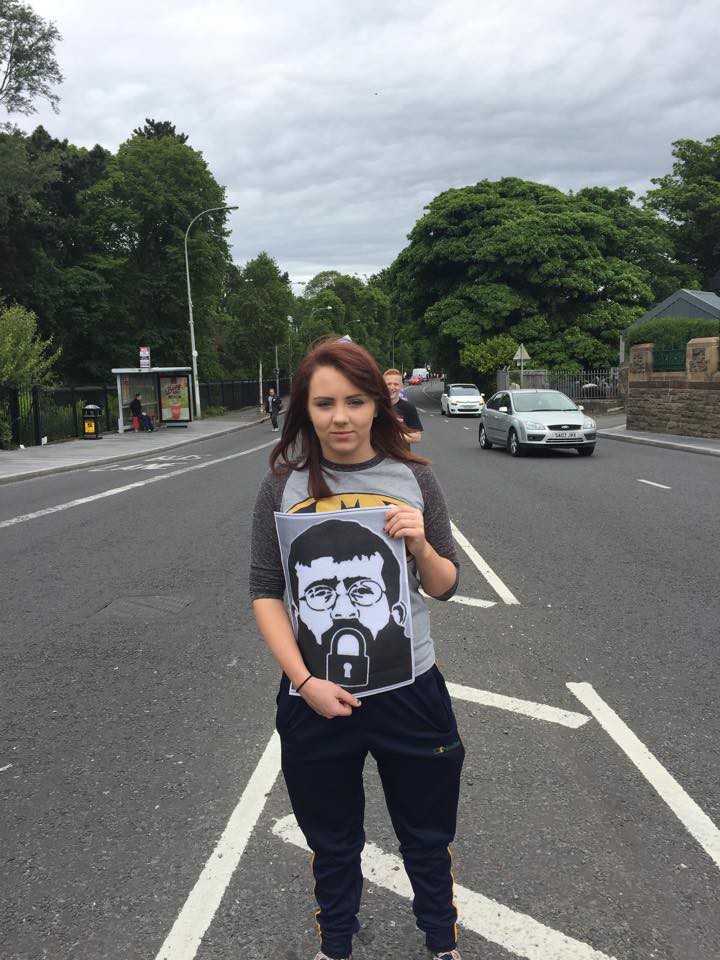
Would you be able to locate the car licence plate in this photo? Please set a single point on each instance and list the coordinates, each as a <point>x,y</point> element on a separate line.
<point>566,435</point>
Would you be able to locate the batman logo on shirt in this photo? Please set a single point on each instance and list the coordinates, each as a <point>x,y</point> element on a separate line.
<point>345,501</point>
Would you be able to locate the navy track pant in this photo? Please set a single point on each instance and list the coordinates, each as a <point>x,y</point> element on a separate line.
<point>412,734</point>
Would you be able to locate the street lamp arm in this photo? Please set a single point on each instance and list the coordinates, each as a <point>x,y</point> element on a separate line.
<point>202,214</point>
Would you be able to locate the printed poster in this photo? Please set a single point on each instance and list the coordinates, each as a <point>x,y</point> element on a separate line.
<point>348,598</point>
<point>174,399</point>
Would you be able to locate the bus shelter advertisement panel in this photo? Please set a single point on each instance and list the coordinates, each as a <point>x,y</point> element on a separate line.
<point>175,399</point>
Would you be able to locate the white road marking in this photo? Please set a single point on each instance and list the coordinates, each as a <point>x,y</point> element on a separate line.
<point>492,578</point>
<point>466,428</point>
<point>651,484</point>
<point>130,486</point>
<point>201,905</point>
<point>510,929</point>
<point>472,601</point>
<point>421,409</point>
<point>6,767</point>
<point>467,601</point>
<point>184,939</point>
<point>154,461</point>
<point>682,805</point>
<point>538,711</point>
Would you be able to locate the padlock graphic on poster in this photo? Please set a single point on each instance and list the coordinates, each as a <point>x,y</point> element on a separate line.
<point>348,663</point>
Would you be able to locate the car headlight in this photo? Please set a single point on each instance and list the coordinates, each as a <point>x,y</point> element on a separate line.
<point>534,425</point>
<point>589,423</point>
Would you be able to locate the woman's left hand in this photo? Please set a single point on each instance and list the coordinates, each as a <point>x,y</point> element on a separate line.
<point>405,521</point>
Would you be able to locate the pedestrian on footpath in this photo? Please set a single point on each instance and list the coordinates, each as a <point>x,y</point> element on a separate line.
<point>405,411</point>
<point>342,436</point>
<point>273,406</point>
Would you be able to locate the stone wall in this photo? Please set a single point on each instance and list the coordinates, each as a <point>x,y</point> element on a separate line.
<point>683,402</point>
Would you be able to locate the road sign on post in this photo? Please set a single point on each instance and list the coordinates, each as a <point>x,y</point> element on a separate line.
<point>144,358</point>
<point>521,355</point>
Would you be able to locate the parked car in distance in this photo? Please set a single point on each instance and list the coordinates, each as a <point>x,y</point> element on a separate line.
<point>524,419</point>
<point>461,398</point>
<point>414,380</point>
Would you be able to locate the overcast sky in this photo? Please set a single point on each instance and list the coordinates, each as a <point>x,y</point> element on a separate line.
<point>333,122</point>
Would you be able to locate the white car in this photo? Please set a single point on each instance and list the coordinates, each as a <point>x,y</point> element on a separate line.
<point>461,398</point>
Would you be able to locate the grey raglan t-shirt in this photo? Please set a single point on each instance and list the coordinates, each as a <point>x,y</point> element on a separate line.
<point>377,482</point>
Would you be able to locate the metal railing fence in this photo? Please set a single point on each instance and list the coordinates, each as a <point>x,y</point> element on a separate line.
<point>35,415</point>
<point>668,358</point>
<point>236,394</point>
<point>599,383</point>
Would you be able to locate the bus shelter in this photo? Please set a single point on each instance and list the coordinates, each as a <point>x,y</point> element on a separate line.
<point>167,395</point>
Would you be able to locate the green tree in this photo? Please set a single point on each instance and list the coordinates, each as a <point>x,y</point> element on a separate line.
<point>257,317</point>
<point>494,353</point>
<point>155,129</point>
<point>28,68</point>
<point>140,210</point>
<point>339,303</point>
<point>50,258</point>
<point>562,273</point>
<point>690,198</point>
<point>24,357</point>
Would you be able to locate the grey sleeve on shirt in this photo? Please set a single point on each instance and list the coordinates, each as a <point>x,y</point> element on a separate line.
<point>266,572</point>
<point>437,520</point>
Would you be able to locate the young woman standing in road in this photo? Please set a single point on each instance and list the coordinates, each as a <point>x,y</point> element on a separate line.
<point>341,436</point>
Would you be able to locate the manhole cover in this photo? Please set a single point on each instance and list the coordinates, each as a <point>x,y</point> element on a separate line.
<point>144,606</point>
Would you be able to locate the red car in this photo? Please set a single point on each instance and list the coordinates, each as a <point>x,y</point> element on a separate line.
<point>414,381</point>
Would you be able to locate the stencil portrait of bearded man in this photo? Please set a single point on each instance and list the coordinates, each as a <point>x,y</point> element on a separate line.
<point>346,599</point>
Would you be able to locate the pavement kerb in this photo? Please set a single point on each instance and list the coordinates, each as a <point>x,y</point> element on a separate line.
<point>667,444</point>
<point>67,467</point>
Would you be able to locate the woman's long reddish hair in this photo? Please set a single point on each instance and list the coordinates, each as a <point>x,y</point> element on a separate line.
<point>299,447</point>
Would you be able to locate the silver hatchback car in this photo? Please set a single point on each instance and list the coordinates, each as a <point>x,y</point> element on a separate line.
<point>522,419</point>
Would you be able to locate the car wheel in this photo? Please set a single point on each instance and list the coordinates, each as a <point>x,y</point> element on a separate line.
<point>483,439</point>
<point>586,451</point>
<point>514,446</point>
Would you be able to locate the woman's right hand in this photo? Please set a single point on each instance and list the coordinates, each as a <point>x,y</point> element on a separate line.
<point>328,698</point>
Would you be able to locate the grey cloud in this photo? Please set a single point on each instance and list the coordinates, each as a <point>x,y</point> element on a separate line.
<point>332,124</point>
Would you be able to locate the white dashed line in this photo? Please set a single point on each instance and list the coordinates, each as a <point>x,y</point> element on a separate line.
<point>130,486</point>
<point>695,820</point>
<point>651,484</point>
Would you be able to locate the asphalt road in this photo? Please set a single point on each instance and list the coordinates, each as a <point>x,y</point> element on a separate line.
<point>137,705</point>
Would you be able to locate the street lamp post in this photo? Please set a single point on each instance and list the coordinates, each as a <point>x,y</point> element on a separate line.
<point>193,350</point>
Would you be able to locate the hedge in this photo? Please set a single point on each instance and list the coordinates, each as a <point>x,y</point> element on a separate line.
<point>672,331</point>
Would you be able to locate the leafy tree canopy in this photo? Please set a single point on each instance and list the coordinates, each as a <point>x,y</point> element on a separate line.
<point>494,353</point>
<point>258,305</point>
<point>155,129</point>
<point>24,358</point>
<point>690,198</point>
<point>563,273</point>
<point>28,68</point>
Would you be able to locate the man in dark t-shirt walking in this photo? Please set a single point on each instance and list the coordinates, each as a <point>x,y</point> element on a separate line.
<point>404,410</point>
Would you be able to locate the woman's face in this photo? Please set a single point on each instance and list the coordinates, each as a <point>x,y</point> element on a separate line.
<point>342,416</point>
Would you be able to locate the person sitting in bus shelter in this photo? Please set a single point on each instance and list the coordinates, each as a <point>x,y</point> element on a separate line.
<point>144,420</point>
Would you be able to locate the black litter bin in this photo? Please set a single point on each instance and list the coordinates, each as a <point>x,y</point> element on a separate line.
<point>91,421</point>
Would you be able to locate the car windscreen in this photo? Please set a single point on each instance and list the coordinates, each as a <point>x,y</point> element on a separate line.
<point>542,400</point>
<point>464,392</point>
